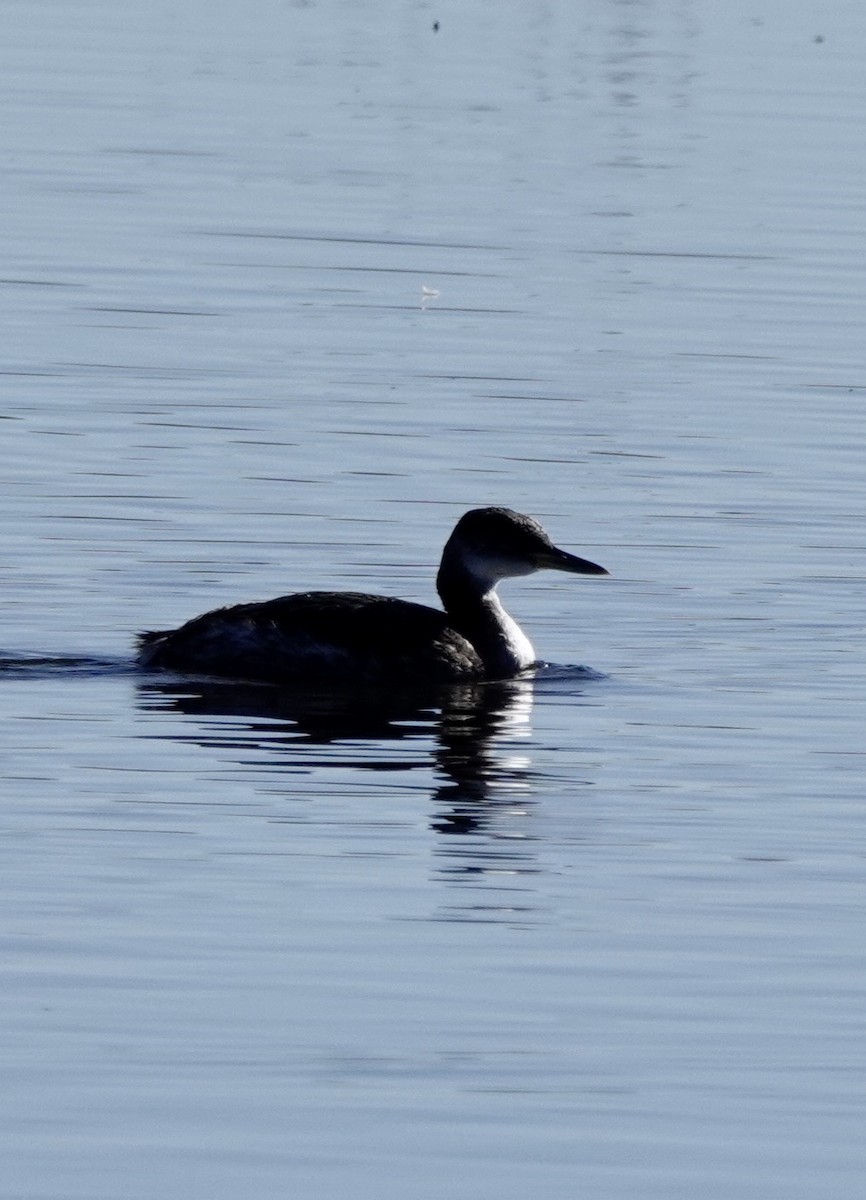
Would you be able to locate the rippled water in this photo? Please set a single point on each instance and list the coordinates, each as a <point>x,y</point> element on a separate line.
<point>283,293</point>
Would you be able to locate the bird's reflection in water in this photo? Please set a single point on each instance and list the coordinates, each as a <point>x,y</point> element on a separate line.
<point>471,726</point>
<point>479,756</point>
<point>476,737</point>
<point>486,797</point>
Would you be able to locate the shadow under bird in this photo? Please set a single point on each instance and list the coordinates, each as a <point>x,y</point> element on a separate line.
<point>353,636</point>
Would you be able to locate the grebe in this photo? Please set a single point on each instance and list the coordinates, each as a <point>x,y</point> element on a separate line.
<point>343,636</point>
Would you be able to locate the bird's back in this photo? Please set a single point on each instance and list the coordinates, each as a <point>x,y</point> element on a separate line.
<point>329,636</point>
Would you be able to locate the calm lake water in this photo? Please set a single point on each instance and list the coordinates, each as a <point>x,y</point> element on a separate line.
<point>284,291</point>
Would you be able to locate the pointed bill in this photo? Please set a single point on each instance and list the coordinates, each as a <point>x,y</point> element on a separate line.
<point>561,560</point>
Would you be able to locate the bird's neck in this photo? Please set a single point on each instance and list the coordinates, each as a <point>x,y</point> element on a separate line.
<point>476,612</point>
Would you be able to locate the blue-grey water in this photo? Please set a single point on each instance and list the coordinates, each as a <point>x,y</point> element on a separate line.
<point>285,289</point>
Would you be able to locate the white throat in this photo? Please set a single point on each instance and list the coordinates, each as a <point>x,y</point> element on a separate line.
<point>516,649</point>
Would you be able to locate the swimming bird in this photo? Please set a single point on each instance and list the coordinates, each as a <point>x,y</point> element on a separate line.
<point>352,636</point>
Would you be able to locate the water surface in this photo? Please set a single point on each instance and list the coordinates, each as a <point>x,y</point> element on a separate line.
<point>596,934</point>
